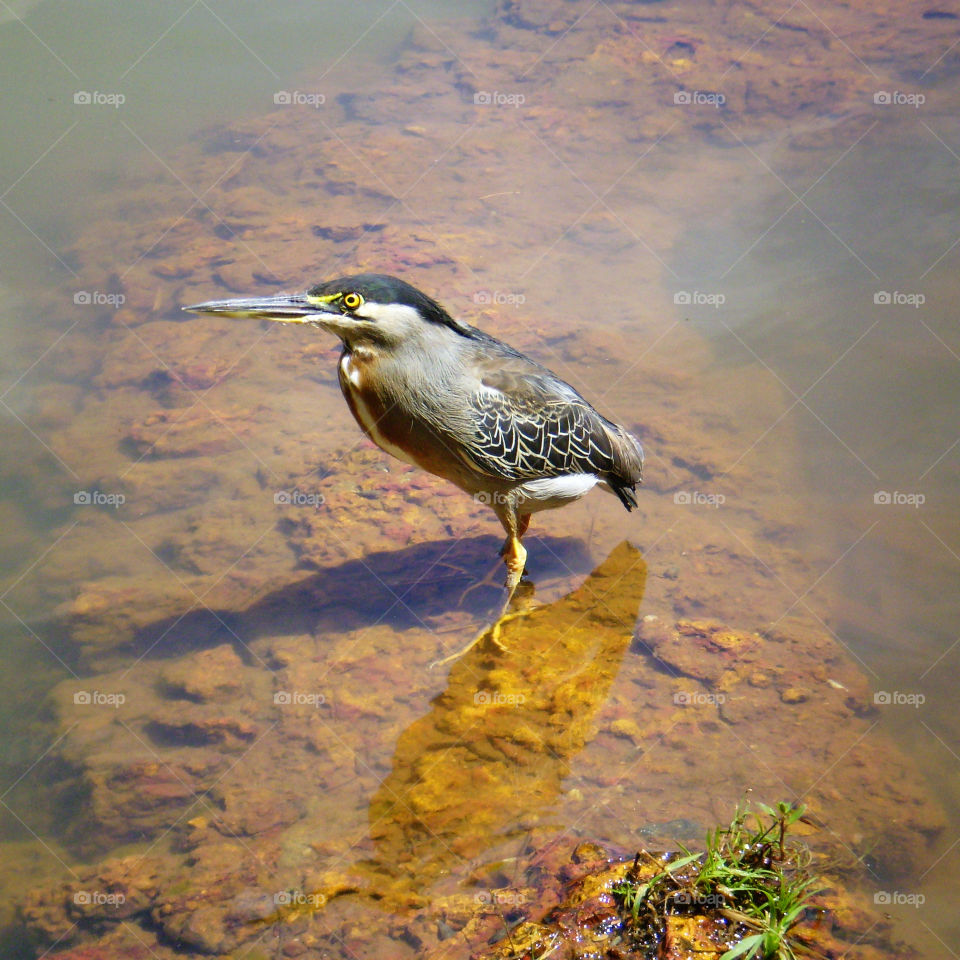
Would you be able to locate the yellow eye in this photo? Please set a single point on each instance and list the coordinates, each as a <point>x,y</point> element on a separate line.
<point>352,300</point>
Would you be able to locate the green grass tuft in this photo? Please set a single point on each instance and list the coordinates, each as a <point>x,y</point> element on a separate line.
<point>749,874</point>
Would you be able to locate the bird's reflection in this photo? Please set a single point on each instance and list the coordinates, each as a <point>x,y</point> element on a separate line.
<point>490,757</point>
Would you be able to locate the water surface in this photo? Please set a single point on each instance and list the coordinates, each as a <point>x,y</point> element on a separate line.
<point>762,292</point>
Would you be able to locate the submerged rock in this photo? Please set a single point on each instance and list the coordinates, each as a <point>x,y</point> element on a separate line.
<point>208,675</point>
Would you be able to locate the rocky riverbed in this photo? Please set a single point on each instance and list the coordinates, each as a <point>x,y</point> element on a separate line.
<point>249,722</point>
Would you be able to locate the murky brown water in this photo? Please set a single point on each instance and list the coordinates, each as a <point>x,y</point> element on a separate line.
<point>221,601</point>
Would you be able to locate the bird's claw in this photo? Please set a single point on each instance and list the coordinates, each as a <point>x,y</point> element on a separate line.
<point>493,631</point>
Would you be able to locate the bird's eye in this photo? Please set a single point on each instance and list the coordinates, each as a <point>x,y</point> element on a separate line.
<point>352,300</point>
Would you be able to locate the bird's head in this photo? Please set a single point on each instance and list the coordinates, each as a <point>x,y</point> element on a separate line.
<point>370,308</point>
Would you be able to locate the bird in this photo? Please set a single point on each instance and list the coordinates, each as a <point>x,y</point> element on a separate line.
<point>436,392</point>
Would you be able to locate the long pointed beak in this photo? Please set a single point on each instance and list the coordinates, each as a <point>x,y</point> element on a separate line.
<point>286,308</point>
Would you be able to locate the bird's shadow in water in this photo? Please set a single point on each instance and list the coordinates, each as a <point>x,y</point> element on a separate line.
<point>403,588</point>
<point>475,779</point>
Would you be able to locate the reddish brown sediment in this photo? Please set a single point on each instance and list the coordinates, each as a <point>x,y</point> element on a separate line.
<point>310,775</point>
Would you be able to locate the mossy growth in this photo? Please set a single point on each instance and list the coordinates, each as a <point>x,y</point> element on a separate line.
<point>751,876</point>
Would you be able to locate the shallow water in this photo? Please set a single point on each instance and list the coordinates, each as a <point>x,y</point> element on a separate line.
<point>715,279</point>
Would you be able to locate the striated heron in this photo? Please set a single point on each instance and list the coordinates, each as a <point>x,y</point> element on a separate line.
<point>440,394</point>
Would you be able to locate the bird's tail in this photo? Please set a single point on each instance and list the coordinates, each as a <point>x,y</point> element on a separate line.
<point>627,495</point>
<point>628,466</point>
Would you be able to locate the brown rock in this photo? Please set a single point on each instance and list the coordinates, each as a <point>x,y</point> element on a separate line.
<point>207,676</point>
<point>588,851</point>
<point>190,433</point>
<point>250,809</point>
<point>236,277</point>
<point>113,891</point>
<point>694,938</point>
<point>196,726</point>
<point>202,928</point>
<point>626,727</point>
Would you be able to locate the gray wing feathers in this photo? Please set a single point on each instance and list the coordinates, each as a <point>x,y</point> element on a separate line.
<point>525,437</point>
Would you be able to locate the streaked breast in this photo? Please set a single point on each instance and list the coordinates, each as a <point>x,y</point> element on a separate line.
<point>365,405</point>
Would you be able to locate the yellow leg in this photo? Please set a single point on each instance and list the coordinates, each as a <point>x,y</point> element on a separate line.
<point>515,557</point>
<point>522,524</point>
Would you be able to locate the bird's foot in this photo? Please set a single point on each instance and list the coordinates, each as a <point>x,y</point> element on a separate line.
<point>495,629</point>
<point>515,557</point>
<point>521,599</point>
